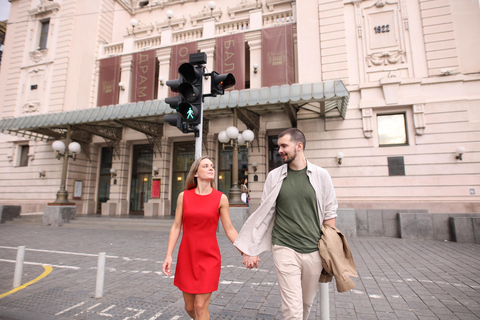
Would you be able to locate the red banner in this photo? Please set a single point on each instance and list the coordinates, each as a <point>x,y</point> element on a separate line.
<point>230,57</point>
<point>109,78</point>
<point>180,54</point>
<point>143,76</point>
<point>277,56</point>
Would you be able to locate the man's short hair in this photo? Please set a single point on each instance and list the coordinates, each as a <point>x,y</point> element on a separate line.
<point>296,136</point>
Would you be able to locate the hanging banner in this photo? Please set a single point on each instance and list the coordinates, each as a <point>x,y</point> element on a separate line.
<point>230,58</point>
<point>109,78</point>
<point>143,76</point>
<point>277,56</point>
<point>180,54</point>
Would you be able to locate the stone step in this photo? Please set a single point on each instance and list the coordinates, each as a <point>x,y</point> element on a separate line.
<point>121,222</point>
<point>97,221</point>
<point>27,219</point>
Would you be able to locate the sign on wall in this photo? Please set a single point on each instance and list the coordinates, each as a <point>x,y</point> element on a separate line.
<point>230,58</point>
<point>143,76</point>
<point>109,78</point>
<point>277,56</point>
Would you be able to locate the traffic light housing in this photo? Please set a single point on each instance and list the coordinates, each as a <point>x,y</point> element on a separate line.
<point>220,82</point>
<point>188,103</point>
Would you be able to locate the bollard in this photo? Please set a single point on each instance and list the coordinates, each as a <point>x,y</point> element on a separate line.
<point>100,275</point>
<point>17,278</point>
<point>324,302</point>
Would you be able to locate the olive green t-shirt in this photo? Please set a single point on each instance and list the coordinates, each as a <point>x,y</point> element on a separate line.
<point>296,220</point>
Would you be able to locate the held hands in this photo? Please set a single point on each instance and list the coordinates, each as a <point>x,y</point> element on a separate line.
<point>250,262</point>
<point>167,264</point>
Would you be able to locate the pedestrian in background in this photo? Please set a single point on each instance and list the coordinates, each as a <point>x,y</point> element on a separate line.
<point>199,207</point>
<point>298,197</point>
<point>244,189</point>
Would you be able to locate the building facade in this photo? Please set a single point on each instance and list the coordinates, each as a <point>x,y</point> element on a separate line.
<point>387,93</point>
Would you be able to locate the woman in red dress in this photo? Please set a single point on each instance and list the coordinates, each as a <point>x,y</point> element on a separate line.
<point>198,263</point>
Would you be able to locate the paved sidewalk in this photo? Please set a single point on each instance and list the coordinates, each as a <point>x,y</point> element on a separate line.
<point>398,279</point>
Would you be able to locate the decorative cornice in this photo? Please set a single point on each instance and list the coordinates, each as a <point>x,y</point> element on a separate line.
<point>385,58</point>
<point>271,3</point>
<point>45,7</point>
<point>31,107</point>
<point>38,55</point>
<point>179,23</point>
<point>206,14</point>
<point>242,7</point>
<point>142,28</point>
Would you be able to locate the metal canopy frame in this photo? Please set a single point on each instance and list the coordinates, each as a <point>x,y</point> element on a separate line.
<point>147,116</point>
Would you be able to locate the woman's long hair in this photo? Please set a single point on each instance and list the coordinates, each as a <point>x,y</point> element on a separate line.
<point>191,181</point>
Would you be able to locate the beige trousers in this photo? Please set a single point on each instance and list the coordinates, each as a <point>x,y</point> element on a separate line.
<point>297,276</point>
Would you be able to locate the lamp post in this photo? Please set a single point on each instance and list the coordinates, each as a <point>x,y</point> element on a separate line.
<point>61,151</point>
<point>232,136</point>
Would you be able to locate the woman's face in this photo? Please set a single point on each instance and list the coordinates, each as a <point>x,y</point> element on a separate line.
<point>206,170</point>
<point>246,181</point>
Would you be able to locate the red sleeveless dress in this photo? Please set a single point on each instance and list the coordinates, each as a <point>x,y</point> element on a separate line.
<point>199,263</point>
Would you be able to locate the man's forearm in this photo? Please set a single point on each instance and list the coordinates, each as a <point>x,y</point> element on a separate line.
<point>330,222</point>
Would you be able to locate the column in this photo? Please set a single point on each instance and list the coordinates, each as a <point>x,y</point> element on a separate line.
<point>118,203</point>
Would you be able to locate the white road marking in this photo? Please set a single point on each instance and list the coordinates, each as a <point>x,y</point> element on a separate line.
<point>103,312</point>
<point>156,316</point>
<point>44,264</point>
<point>138,313</point>
<point>60,252</point>
<point>71,308</point>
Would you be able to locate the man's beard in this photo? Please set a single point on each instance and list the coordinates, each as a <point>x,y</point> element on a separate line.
<point>290,160</point>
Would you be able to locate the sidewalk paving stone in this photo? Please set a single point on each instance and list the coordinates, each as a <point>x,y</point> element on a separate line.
<point>398,279</point>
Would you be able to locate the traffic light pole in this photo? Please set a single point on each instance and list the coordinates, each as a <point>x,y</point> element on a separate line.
<point>198,138</point>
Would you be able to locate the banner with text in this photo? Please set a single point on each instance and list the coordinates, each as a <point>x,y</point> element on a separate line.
<point>109,78</point>
<point>277,56</point>
<point>180,54</point>
<point>230,58</point>
<point>143,76</point>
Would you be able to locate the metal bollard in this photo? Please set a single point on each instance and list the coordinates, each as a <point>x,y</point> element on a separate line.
<point>100,275</point>
<point>17,278</point>
<point>324,302</point>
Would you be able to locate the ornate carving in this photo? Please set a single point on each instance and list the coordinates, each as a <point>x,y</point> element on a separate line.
<point>179,23</point>
<point>385,58</point>
<point>31,107</point>
<point>367,123</point>
<point>112,135</point>
<point>251,120</point>
<point>291,113</point>
<point>419,119</point>
<point>152,130</point>
<point>38,55</point>
<point>243,6</point>
<point>206,14</point>
<point>45,6</point>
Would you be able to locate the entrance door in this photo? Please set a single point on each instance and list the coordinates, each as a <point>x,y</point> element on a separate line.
<point>141,186</point>
<point>104,184</point>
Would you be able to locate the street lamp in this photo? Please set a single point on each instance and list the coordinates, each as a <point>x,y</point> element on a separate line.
<point>235,139</point>
<point>60,150</point>
<point>169,15</point>
<point>212,6</point>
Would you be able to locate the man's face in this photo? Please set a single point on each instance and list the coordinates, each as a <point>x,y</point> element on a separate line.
<point>287,149</point>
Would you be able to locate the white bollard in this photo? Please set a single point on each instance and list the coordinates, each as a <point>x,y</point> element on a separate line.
<point>100,275</point>
<point>324,302</point>
<point>17,278</point>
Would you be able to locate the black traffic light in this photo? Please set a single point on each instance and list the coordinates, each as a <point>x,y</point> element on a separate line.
<point>220,82</point>
<point>190,90</point>
<point>188,103</point>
